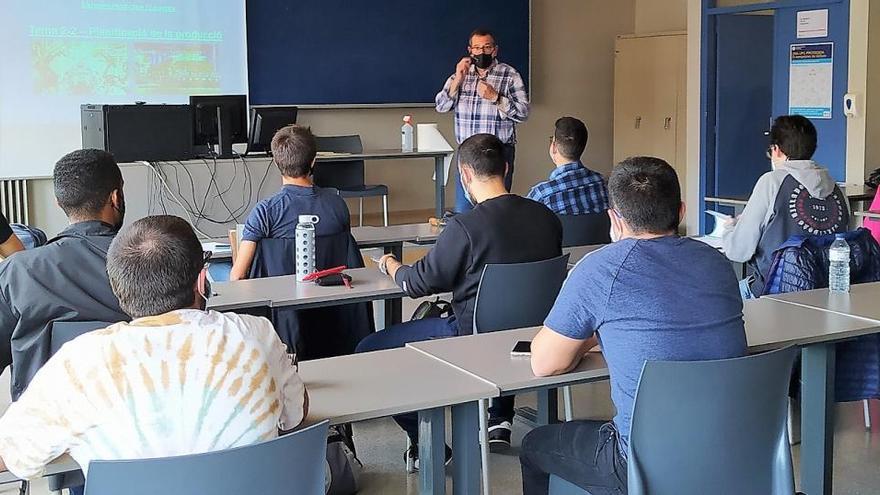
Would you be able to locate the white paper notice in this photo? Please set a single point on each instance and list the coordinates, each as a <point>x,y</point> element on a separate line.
<point>812,24</point>
<point>429,138</point>
<point>811,76</point>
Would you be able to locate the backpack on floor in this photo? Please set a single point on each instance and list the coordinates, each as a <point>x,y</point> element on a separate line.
<point>342,468</point>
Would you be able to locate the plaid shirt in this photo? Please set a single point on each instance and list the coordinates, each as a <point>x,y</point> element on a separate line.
<point>573,189</point>
<point>475,114</point>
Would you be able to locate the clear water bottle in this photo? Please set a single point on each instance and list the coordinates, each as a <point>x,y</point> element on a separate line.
<point>305,246</point>
<point>406,134</point>
<point>838,271</point>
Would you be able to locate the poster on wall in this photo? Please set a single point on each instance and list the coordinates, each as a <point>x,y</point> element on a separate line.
<point>811,72</point>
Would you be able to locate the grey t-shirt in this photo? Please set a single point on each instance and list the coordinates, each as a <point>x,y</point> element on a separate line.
<point>664,299</point>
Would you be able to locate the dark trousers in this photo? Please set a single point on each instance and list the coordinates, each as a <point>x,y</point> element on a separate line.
<point>585,453</point>
<point>461,203</point>
<point>416,331</point>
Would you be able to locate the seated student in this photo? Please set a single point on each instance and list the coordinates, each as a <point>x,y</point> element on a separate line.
<point>797,197</point>
<point>573,189</point>
<point>176,380</point>
<point>293,151</point>
<point>9,243</point>
<point>65,280</point>
<point>628,296</point>
<point>501,228</point>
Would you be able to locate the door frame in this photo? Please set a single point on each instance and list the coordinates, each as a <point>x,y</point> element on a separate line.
<point>708,32</point>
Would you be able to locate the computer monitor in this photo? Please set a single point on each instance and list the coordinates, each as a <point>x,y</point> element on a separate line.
<point>218,120</point>
<point>265,122</point>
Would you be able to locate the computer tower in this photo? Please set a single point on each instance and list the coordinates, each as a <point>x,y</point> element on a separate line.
<point>139,132</point>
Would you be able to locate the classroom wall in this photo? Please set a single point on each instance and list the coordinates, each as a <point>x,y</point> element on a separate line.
<point>572,74</point>
<point>655,16</point>
<point>872,94</point>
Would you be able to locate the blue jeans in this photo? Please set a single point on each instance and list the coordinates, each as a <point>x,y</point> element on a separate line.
<point>416,331</point>
<point>586,453</point>
<point>461,203</point>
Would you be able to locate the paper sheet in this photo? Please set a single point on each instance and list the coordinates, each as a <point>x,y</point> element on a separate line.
<point>429,138</point>
<point>720,221</point>
<point>811,75</point>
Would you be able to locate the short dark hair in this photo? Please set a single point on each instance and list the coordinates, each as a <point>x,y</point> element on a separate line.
<point>644,190</point>
<point>84,180</point>
<point>482,32</point>
<point>795,135</point>
<point>484,153</point>
<point>294,148</point>
<point>570,137</point>
<point>154,264</point>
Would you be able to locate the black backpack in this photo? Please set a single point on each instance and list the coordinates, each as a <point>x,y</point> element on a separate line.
<point>433,309</point>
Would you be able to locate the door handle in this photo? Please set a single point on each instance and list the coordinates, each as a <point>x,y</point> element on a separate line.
<point>638,122</point>
<point>667,123</point>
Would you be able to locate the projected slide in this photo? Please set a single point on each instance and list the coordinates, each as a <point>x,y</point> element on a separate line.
<point>59,54</point>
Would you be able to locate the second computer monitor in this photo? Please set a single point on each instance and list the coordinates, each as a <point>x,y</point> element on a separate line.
<point>265,122</point>
<point>218,120</point>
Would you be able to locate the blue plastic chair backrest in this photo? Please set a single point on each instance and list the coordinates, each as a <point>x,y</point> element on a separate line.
<point>65,331</point>
<point>288,465</point>
<point>517,295</point>
<point>712,427</point>
<point>342,174</point>
<point>585,230</point>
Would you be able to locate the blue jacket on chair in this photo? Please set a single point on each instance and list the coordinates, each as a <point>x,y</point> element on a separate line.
<point>319,332</point>
<point>801,263</point>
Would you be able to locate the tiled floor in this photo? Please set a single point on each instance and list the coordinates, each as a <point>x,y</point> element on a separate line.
<point>380,444</point>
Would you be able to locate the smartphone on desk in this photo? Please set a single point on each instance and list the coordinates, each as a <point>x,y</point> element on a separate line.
<point>522,348</point>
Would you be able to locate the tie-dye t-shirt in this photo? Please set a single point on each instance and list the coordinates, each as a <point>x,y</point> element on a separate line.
<point>185,382</point>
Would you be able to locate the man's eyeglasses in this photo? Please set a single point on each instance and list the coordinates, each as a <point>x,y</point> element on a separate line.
<point>485,48</point>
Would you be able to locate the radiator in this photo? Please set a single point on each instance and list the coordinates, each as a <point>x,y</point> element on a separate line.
<point>14,200</point>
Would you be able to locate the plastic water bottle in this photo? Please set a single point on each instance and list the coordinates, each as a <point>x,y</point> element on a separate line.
<point>406,134</point>
<point>838,270</point>
<point>305,246</point>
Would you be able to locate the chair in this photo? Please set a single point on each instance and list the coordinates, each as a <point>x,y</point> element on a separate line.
<point>682,443</point>
<point>290,464</point>
<point>63,332</point>
<point>509,296</point>
<point>585,230</point>
<point>348,176</point>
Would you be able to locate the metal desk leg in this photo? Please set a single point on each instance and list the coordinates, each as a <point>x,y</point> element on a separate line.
<point>432,451</point>
<point>817,418</point>
<point>466,449</point>
<point>394,307</point>
<point>548,407</point>
<point>439,186</point>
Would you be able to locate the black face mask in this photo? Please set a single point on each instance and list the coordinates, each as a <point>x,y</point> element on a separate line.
<point>483,60</point>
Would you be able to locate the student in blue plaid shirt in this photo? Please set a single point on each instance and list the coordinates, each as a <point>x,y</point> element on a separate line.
<point>573,189</point>
<point>488,97</point>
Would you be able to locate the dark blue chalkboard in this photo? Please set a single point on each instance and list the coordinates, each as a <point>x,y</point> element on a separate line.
<point>349,52</point>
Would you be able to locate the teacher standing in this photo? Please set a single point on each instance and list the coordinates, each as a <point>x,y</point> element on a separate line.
<point>489,97</point>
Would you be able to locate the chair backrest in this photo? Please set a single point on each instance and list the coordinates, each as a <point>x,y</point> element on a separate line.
<point>720,423</point>
<point>517,295</point>
<point>291,464</point>
<point>585,230</point>
<point>65,331</point>
<point>343,174</point>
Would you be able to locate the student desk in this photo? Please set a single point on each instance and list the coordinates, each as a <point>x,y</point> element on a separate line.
<point>61,465</point>
<point>281,292</point>
<point>769,325</point>
<point>382,383</point>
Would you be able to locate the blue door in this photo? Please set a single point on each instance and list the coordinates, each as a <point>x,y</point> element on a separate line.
<point>744,96</point>
<point>832,131</point>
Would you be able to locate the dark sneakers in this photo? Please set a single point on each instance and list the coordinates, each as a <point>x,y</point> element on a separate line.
<point>412,454</point>
<point>499,437</point>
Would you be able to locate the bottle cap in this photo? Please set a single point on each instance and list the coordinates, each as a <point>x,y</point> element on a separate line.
<point>840,236</point>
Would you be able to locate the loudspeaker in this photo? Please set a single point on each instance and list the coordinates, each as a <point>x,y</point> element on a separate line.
<point>139,132</point>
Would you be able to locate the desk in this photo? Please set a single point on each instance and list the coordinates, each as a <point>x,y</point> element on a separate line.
<point>279,292</point>
<point>863,301</point>
<point>393,154</point>
<point>63,464</point>
<point>874,215</point>
<point>382,383</point>
<point>769,325</point>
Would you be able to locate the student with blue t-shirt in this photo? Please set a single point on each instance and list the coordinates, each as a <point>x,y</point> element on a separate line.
<point>651,295</point>
<point>293,151</point>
